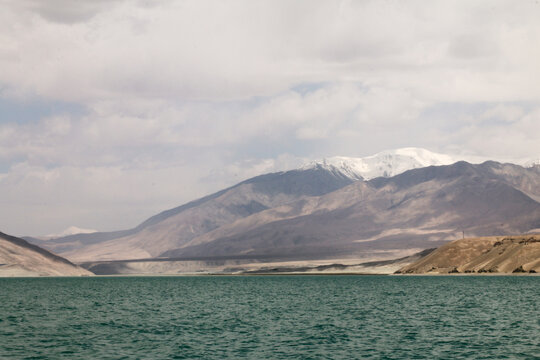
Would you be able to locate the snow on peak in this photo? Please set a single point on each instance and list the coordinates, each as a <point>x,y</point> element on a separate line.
<point>532,163</point>
<point>72,230</point>
<point>386,163</point>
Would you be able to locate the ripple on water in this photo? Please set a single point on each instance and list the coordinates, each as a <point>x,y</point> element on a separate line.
<point>278,317</point>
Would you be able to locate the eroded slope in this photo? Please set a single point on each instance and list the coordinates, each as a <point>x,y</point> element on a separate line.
<point>496,254</point>
<point>19,258</point>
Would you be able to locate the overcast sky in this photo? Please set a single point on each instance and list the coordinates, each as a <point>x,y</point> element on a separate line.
<point>111,111</point>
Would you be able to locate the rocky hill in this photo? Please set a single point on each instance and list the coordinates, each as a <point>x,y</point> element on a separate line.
<point>19,258</point>
<point>496,254</point>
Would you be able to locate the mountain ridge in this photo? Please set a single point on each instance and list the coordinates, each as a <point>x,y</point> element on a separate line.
<point>469,195</point>
<point>205,214</point>
<point>389,213</point>
<point>345,172</point>
<point>20,258</point>
<point>276,207</point>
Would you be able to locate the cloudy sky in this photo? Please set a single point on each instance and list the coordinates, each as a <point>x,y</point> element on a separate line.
<point>111,111</point>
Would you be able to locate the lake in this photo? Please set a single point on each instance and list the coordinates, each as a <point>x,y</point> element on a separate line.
<point>271,317</point>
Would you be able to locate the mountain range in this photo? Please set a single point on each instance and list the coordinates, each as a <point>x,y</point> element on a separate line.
<point>392,204</point>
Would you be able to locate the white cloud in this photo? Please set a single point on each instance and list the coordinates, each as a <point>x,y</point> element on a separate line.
<point>505,113</point>
<point>64,11</point>
<point>213,50</point>
<point>37,199</point>
<point>497,140</point>
<point>196,95</point>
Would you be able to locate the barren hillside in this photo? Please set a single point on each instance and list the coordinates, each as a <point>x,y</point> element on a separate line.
<point>19,258</point>
<point>495,254</point>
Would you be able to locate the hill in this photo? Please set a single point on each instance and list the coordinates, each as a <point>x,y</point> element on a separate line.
<point>495,254</point>
<point>19,258</point>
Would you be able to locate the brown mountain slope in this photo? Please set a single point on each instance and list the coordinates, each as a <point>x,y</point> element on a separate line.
<point>175,227</point>
<point>19,258</point>
<point>496,254</point>
<point>526,181</point>
<point>418,209</point>
<point>421,208</point>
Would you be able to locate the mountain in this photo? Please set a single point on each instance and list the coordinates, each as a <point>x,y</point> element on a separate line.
<point>387,217</point>
<point>418,209</point>
<point>326,210</point>
<point>19,258</point>
<point>386,163</point>
<point>503,254</point>
<point>175,227</point>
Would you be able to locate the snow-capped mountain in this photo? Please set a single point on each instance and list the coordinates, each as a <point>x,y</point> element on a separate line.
<point>532,163</point>
<point>321,211</point>
<point>386,163</point>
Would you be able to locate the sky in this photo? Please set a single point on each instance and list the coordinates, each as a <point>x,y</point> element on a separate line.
<point>114,110</point>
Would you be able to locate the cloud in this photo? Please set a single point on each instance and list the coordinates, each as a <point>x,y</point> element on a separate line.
<point>214,51</point>
<point>101,99</point>
<point>65,11</point>
<point>502,132</point>
<point>43,199</point>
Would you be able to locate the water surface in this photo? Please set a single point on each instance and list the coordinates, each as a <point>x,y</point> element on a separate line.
<point>271,317</point>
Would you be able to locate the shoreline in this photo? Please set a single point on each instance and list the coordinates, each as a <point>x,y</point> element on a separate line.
<point>271,274</point>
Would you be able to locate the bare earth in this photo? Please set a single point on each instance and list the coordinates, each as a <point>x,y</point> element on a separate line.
<point>496,254</point>
<point>253,266</point>
<point>19,258</point>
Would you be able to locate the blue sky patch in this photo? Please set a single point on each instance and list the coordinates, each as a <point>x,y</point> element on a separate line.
<point>31,111</point>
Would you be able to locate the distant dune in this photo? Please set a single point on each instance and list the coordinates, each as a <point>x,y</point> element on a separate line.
<point>496,254</point>
<point>247,265</point>
<point>20,258</point>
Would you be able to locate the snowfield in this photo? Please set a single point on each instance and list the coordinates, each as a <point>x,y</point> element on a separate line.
<point>386,163</point>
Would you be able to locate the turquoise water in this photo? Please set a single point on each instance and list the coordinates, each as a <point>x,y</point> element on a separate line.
<point>271,317</point>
